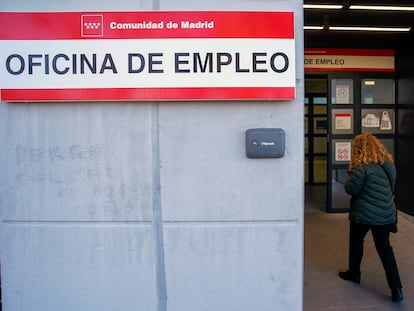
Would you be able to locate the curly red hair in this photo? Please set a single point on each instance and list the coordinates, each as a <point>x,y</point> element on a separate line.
<point>366,148</point>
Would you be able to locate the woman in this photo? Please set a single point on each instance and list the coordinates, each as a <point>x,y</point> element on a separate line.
<point>371,183</point>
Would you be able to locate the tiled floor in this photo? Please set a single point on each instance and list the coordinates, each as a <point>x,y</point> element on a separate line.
<point>326,253</point>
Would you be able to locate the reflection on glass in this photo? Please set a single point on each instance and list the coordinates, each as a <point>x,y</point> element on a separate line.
<point>306,125</point>
<point>306,170</point>
<point>319,145</point>
<point>315,85</point>
<point>342,91</point>
<point>377,91</point>
<point>306,144</point>
<point>320,100</point>
<point>340,199</point>
<point>320,125</point>
<point>388,144</point>
<point>340,175</point>
<point>319,109</point>
<point>319,173</point>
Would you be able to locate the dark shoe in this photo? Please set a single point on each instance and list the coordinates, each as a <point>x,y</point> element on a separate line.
<point>350,277</point>
<point>396,294</point>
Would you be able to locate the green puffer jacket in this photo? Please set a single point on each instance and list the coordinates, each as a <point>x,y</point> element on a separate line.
<point>372,199</point>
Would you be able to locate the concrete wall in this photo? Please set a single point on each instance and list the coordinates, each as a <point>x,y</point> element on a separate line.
<point>150,206</point>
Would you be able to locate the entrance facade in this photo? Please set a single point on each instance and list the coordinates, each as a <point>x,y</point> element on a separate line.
<point>339,106</point>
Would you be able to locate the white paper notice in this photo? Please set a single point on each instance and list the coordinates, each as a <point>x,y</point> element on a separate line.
<point>342,94</point>
<point>370,120</point>
<point>343,121</point>
<point>343,151</point>
<point>385,121</point>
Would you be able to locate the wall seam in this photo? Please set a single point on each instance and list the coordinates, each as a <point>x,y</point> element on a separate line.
<point>161,286</point>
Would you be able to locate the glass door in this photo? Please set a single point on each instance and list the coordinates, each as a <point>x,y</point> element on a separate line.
<point>358,102</point>
<point>316,151</point>
<point>341,132</point>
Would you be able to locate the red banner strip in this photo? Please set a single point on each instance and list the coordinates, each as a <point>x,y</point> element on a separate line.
<point>173,94</point>
<point>153,24</point>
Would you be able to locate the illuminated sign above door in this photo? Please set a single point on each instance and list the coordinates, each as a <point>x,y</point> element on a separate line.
<point>116,56</point>
<point>349,60</point>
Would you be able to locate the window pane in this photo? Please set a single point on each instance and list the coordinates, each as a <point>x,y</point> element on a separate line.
<point>319,101</point>
<point>377,91</point>
<point>319,145</point>
<point>342,91</point>
<point>320,125</point>
<point>319,109</point>
<point>306,170</point>
<point>306,145</point>
<point>340,199</point>
<point>315,85</point>
<point>388,144</point>
<point>319,167</point>
<point>378,121</point>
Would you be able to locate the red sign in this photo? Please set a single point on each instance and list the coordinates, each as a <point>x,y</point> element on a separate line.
<point>61,56</point>
<point>154,24</point>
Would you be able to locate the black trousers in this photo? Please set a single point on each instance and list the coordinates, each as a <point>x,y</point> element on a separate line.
<point>381,235</point>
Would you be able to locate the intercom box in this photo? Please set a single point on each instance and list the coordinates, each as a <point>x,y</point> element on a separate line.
<point>265,142</point>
